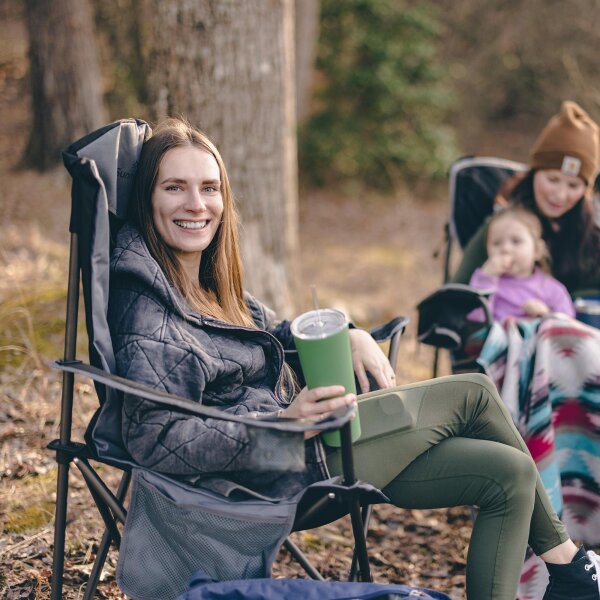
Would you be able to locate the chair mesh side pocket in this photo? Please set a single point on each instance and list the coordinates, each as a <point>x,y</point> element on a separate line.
<point>173,530</point>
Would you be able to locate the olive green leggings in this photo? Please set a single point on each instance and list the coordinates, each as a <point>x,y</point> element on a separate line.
<point>450,442</point>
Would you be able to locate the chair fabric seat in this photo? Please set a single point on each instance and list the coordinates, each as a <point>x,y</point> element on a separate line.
<point>173,529</point>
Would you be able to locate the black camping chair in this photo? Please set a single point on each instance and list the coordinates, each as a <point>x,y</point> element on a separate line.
<point>102,165</point>
<point>443,323</point>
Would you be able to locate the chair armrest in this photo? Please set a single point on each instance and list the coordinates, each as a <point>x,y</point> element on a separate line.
<point>389,330</point>
<point>443,314</point>
<point>335,421</point>
<point>392,330</point>
<point>277,427</point>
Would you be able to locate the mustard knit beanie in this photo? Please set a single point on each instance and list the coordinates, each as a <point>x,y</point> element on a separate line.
<point>569,142</point>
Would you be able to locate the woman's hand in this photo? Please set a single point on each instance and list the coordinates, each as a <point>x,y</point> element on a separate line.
<point>367,357</point>
<point>318,403</point>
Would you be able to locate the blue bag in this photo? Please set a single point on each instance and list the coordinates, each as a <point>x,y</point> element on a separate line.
<point>202,587</point>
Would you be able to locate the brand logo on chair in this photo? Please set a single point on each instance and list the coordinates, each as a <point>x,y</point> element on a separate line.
<point>127,173</point>
<point>570,165</point>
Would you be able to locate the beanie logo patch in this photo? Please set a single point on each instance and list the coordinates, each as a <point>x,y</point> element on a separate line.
<point>571,165</point>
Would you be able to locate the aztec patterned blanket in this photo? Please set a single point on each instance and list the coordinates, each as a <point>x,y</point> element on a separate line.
<point>548,374</point>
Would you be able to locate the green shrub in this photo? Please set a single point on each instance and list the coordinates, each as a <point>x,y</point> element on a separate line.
<point>381,96</point>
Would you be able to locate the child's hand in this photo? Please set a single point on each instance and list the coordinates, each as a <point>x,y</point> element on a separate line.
<point>497,264</point>
<point>535,308</point>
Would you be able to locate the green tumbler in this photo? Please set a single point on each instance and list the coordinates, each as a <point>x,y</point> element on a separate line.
<point>323,346</point>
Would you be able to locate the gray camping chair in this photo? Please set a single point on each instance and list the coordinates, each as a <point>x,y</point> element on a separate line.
<point>102,165</point>
<point>472,187</point>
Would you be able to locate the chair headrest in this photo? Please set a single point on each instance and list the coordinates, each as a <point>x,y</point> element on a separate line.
<point>474,182</point>
<point>114,151</point>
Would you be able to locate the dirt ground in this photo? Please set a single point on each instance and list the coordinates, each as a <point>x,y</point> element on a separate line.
<point>369,255</point>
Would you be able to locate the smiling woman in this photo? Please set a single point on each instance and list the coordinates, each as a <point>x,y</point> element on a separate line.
<point>187,204</point>
<point>182,184</point>
<point>556,192</point>
<point>557,188</point>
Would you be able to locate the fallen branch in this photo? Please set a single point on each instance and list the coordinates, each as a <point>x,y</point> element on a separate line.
<point>26,541</point>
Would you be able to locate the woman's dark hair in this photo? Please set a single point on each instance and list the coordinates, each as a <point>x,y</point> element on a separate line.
<point>573,239</point>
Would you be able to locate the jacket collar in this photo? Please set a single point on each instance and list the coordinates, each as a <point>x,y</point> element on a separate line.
<point>132,260</point>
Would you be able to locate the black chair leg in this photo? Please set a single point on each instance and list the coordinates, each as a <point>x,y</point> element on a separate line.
<point>436,358</point>
<point>100,490</point>
<point>366,517</point>
<point>360,541</point>
<point>358,531</point>
<point>300,557</point>
<point>92,584</point>
<point>103,548</point>
<point>60,526</point>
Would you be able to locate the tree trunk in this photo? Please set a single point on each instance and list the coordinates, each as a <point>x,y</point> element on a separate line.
<point>123,38</point>
<point>307,35</point>
<point>66,87</point>
<point>227,66</point>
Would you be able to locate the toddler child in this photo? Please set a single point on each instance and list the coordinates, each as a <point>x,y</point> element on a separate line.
<point>517,269</point>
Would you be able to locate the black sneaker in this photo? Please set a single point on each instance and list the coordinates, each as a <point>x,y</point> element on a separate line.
<point>578,580</point>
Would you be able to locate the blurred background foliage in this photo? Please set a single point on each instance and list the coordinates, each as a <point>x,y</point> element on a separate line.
<point>381,97</point>
<point>512,62</point>
<point>400,88</point>
<point>404,87</point>
<point>123,32</point>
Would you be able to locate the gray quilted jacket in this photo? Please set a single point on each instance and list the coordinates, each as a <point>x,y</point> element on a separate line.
<point>158,340</point>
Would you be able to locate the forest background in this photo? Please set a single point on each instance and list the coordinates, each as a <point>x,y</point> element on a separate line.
<point>386,94</point>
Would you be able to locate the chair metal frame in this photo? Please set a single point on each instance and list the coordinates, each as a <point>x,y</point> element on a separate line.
<point>110,504</point>
<point>451,235</point>
<point>451,229</point>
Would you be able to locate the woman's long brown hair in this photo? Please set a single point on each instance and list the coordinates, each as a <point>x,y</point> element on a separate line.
<point>218,292</point>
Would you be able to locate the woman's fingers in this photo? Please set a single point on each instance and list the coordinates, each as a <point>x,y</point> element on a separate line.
<point>361,375</point>
<point>321,401</point>
<point>385,378</point>
<point>318,402</point>
<point>383,373</point>
<point>328,404</point>
<point>367,357</point>
<point>327,391</point>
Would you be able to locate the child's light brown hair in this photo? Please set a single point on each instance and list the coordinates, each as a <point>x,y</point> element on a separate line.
<point>533,225</point>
